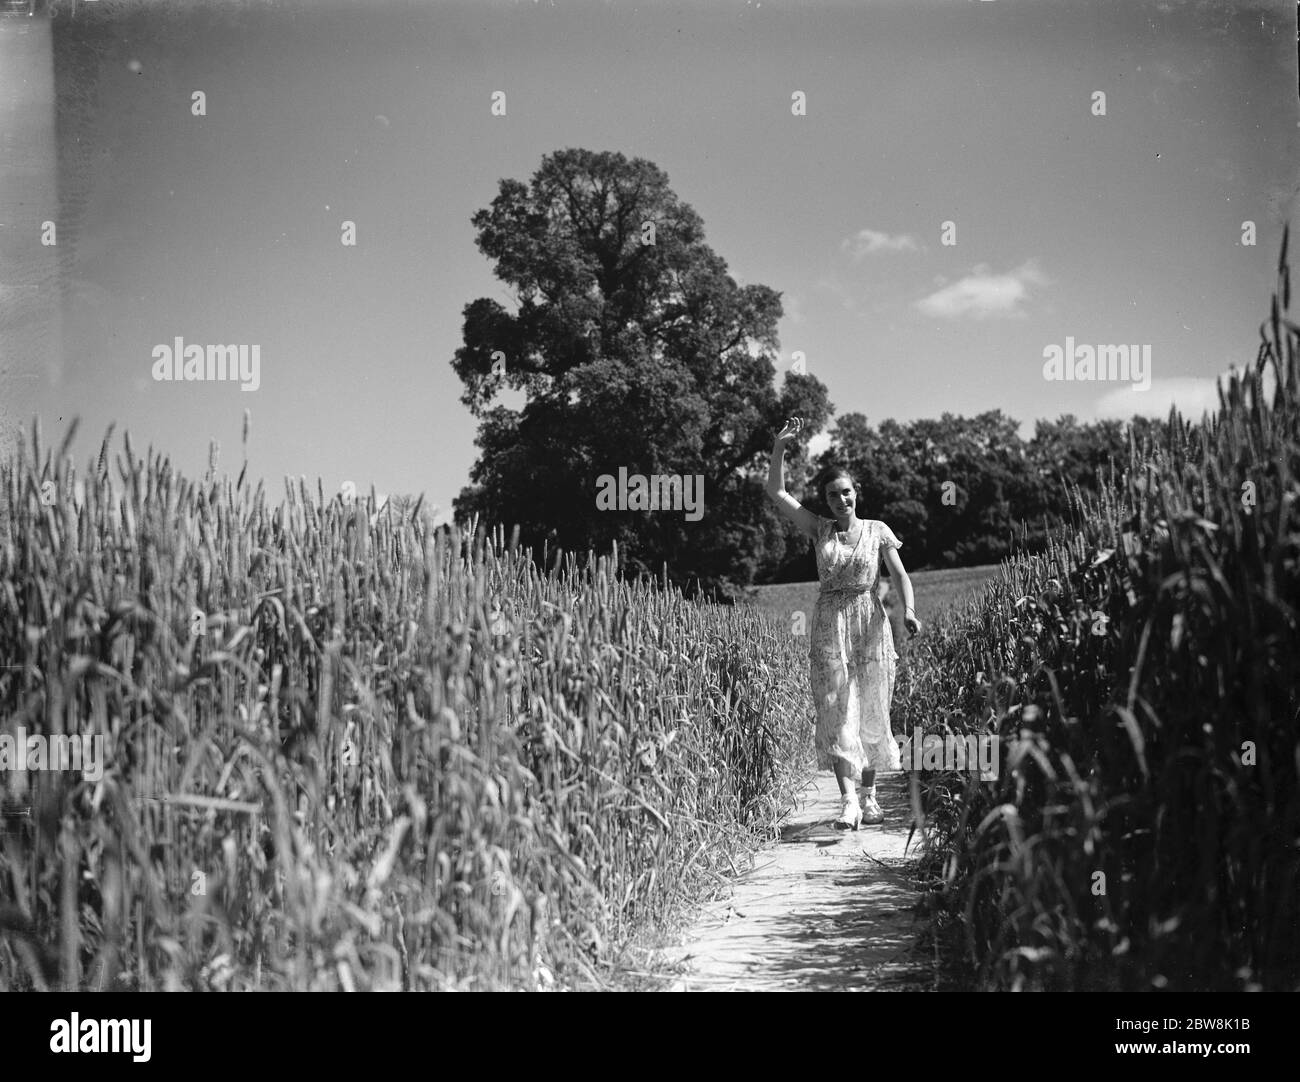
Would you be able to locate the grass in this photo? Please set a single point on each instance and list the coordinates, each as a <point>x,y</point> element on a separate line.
<point>1141,676</point>
<point>351,751</point>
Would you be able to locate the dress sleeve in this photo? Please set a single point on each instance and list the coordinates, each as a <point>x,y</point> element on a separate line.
<point>887,538</point>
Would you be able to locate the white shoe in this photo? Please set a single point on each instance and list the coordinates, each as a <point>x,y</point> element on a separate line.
<point>871,811</point>
<point>850,816</point>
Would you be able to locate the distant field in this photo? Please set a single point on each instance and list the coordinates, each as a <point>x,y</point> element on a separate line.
<point>936,592</point>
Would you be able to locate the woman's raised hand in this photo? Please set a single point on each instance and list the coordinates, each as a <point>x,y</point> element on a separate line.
<point>792,428</point>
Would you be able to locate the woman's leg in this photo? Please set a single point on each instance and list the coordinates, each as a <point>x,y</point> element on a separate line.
<point>844,776</point>
<point>869,780</point>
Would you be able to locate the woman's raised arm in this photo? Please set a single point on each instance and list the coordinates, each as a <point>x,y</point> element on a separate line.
<point>785,503</point>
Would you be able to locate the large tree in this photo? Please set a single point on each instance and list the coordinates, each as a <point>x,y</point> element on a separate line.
<point>633,348</point>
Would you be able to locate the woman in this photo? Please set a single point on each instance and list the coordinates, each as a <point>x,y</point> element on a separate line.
<point>851,653</point>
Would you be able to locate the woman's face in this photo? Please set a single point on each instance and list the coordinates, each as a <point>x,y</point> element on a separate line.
<point>840,496</point>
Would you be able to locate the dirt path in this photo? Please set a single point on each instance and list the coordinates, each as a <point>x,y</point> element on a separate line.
<point>820,910</point>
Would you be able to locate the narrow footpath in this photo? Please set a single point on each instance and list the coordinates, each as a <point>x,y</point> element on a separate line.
<point>820,910</point>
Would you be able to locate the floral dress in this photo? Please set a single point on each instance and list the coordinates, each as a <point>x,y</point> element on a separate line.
<point>851,655</point>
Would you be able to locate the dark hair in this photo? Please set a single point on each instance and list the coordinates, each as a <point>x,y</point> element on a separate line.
<point>815,496</point>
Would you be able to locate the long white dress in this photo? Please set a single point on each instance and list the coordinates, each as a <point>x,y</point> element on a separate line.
<point>852,659</point>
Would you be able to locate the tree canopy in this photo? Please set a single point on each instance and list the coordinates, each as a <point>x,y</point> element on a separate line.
<point>634,349</point>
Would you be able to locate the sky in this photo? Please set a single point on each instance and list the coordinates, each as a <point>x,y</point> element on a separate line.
<point>1101,221</point>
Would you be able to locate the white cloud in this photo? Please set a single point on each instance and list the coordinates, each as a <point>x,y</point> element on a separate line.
<point>1194,396</point>
<point>981,294</point>
<point>869,241</point>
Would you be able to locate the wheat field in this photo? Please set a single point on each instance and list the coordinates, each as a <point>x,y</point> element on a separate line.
<point>352,751</point>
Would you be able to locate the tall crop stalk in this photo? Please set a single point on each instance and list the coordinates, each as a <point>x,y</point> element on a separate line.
<point>351,751</point>
<point>1141,675</point>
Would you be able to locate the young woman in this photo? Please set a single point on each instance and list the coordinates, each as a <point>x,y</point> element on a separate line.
<point>851,651</point>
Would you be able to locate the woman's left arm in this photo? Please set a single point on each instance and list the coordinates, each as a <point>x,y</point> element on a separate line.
<point>899,574</point>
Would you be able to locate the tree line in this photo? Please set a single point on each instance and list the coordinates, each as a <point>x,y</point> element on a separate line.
<point>961,491</point>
